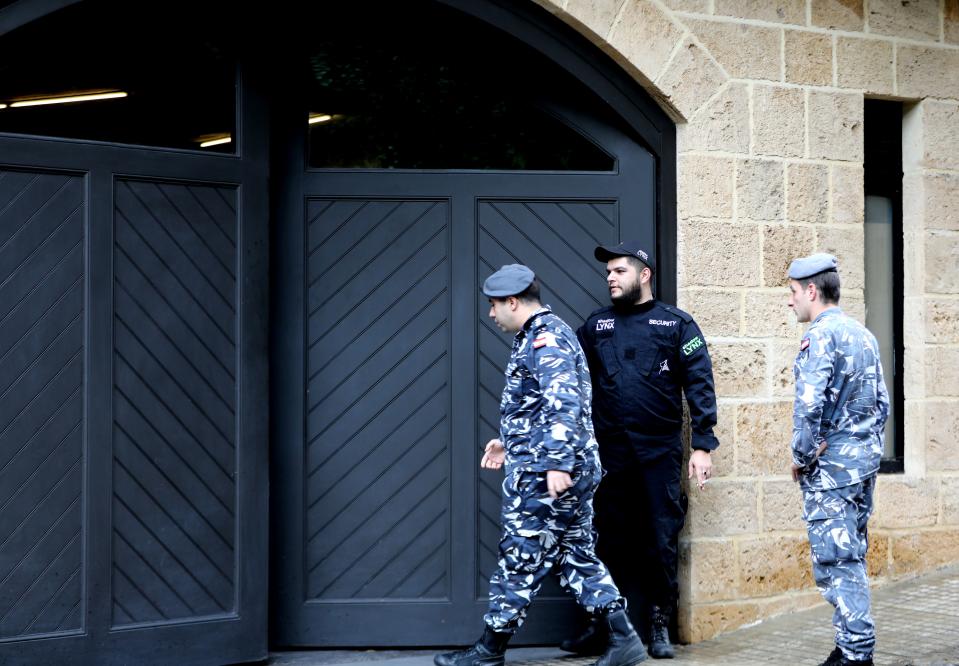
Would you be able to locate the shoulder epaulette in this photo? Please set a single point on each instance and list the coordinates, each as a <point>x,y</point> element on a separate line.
<point>685,316</point>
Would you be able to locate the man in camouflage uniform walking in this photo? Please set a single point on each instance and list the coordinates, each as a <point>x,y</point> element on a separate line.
<point>552,468</point>
<point>838,418</point>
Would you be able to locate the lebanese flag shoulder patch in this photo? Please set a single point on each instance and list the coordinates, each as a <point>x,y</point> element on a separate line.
<point>539,342</point>
<point>804,345</point>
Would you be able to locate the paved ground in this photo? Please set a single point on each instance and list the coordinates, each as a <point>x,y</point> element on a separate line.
<point>917,625</point>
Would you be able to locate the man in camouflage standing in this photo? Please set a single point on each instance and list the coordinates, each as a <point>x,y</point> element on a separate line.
<point>552,468</point>
<point>838,419</point>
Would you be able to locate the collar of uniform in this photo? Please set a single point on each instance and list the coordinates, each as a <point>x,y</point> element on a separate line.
<point>828,312</point>
<point>544,309</point>
<point>635,308</point>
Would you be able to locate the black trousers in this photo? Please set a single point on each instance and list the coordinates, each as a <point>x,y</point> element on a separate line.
<point>640,510</point>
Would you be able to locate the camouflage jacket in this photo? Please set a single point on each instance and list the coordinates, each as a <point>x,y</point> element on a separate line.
<point>545,413</point>
<point>841,400</point>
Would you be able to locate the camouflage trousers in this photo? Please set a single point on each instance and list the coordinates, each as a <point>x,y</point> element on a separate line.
<point>540,534</point>
<point>836,520</point>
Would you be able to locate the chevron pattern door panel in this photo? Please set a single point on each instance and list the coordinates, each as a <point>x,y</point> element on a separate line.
<point>556,239</point>
<point>42,308</point>
<point>377,404</point>
<point>174,401</point>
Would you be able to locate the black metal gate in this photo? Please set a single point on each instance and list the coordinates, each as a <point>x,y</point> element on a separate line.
<point>387,381</point>
<point>133,415</point>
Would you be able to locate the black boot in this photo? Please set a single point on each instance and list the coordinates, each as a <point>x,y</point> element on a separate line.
<point>592,642</point>
<point>490,650</point>
<point>836,658</point>
<point>624,647</point>
<point>659,646</point>
<point>833,659</point>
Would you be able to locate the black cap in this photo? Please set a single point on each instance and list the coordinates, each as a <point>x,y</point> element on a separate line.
<point>628,248</point>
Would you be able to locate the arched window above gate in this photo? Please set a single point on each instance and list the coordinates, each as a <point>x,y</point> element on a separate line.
<point>419,85</point>
<point>147,73</point>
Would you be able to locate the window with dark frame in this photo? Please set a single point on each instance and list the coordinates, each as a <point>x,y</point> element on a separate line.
<point>884,258</point>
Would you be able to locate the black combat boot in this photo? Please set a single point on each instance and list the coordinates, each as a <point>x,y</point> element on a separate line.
<point>624,647</point>
<point>837,658</point>
<point>592,642</point>
<point>490,650</point>
<point>833,659</point>
<point>659,646</point>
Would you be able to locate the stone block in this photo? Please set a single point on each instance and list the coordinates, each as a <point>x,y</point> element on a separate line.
<point>782,244</point>
<point>942,433</point>
<point>779,11</point>
<point>782,360</point>
<point>706,621</point>
<point>712,570</point>
<point>596,16</point>
<point>865,64</point>
<point>877,557</point>
<point>717,311</point>
<point>808,58</point>
<point>767,315</point>
<point>835,123</point>
<point>782,506</point>
<point>854,304</point>
<point>723,124</point>
<point>791,603</point>
<point>942,372</point>
<point>941,199</point>
<point>705,186</point>
<point>771,566</point>
<point>924,551</point>
<point>949,494</point>
<point>847,197</point>
<point>725,508</point>
<point>744,51</point>
<point>942,258</point>
<point>940,135</point>
<point>739,369</point>
<point>807,193</point>
<point>913,20</point>
<point>723,458</point>
<point>644,36</point>
<point>838,14</point>
<point>905,502</point>
<point>695,6</point>
<point>706,240</point>
<point>848,246</point>
<point>927,71</point>
<point>942,319</point>
<point>763,434</point>
<point>760,190</point>
<point>779,123</point>
<point>691,78</point>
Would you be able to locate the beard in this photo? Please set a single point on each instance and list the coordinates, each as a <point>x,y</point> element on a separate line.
<point>630,294</point>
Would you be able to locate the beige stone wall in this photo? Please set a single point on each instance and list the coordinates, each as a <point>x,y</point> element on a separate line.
<point>768,99</point>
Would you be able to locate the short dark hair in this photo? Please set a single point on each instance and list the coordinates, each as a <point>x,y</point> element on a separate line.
<point>827,285</point>
<point>637,263</point>
<point>531,293</point>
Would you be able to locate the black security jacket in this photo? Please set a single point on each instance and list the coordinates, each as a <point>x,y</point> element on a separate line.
<point>641,359</point>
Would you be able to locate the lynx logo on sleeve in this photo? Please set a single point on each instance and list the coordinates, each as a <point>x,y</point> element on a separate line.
<point>692,345</point>
<point>605,324</point>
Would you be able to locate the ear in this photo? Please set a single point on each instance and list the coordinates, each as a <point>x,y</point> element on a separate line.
<point>813,292</point>
<point>513,302</point>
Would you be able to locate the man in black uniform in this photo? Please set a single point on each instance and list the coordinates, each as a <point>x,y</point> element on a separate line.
<point>643,355</point>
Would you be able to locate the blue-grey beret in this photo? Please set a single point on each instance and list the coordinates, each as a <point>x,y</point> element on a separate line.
<point>510,280</point>
<point>814,263</point>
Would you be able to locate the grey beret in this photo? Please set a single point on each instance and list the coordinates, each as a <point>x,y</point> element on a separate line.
<point>510,280</point>
<point>814,263</point>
